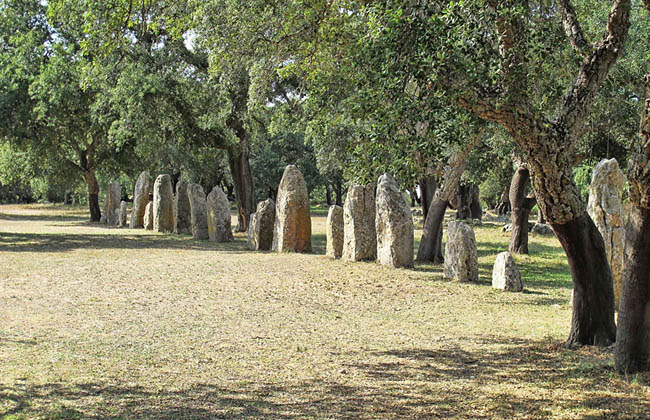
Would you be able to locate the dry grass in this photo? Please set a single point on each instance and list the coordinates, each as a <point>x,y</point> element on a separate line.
<point>109,323</point>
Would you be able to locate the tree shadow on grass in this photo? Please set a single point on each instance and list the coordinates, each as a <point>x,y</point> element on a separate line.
<point>43,242</point>
<point>42,218</point>
<point>495,378</point>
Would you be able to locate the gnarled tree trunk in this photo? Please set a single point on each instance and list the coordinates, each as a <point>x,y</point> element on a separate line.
<point>521,206</point>
<point>463,202</point>
<point>475,209</point>
<point>427,191</point>
<point>244,188</point>
<point>633,335</point>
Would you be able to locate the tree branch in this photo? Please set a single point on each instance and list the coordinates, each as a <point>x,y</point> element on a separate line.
<point>593,71</point>
<point>572,28</point>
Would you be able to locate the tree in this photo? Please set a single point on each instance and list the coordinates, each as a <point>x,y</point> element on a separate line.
<point>522,203</point>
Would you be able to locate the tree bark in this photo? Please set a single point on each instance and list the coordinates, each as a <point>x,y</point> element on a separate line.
<point>633,335</point>
<point>339,192</point>
<point>328,194</point>
<point>593,292</point>
<point>521,206</point>
<point>93,196</point>
<point>540,216</point>
<point>244,188</point>
<point>427,191</point>
<point>475,209</point>
<point>463,201</point>
<point>504,203</point>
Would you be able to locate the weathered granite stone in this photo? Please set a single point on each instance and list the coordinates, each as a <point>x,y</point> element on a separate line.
<point>163,204</point>
<point>292,229</point>
<point>505,274</point>
<point>140,200</point>
<point>112,202</point>
<point>148,216</point>
<point>198,211</point>
<point>393,224</point>
<point>219,216</point>
<point>461,258</point>
<point>122,215</point>
<point>606,209</point>
<point>334,232</point>
<point>182,216</point>
<point>260,228</point>
<point>542,229</point>
<point>359,235</point>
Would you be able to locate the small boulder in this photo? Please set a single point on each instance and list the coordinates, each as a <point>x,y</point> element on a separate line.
<point>505,274</point>
<point>334,232</point>
<point>182,212</point>
<point>122,215</point>
<point>393,224</point>
<point>163,204</point>
<point>260,228</point>
<point>292,230</point>
<point>542,229</point>
<point>219,216</point>
<point>359,234</point>
<point>148,216</point>
<point>198,211</point>
<point>461,258</point>
<point>140,201</point>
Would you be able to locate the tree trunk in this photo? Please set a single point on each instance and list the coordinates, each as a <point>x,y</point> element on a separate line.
<point>593,292</point>
<point>521,206</point>
<point>328,194</point>
<point>430,243</point>
<point>540,216</point>
<point>475,209</point>
<point>413,197</point>
<point>427,191</point>
<point>504,203</point>
<point>430,248</point>
<point>463,197</point>
<point>93,196</point>
<point>244,187</point>
<point>633,335</point>
<point>339,192</point>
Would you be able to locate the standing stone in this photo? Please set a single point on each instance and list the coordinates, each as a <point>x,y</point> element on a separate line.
<point>260,228</point>
<point>461,258</point>
<point>505,274</point>
<point>163,204</point>
<point>122,215</point>
<point>182,216</point>
<point>359,236</point>
<point>140,200</point>
<point>606,210</point>
<point>219,216</point>
<point>292,230</point>
<point>112,202</point>
<point>335,232</point>
<point>394,225</point>
<point>148,216</point>
<point>198,211</point>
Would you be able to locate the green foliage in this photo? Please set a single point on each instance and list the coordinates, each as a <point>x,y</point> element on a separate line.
<point>582,177</point>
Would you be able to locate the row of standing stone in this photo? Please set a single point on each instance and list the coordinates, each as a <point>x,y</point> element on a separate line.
<point>188,211</point>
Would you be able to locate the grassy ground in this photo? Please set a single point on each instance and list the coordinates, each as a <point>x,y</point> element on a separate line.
<point>108,323</point>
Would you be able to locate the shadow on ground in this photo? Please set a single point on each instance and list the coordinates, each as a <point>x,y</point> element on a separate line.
<point>43,242</point>
<point>408,383</point>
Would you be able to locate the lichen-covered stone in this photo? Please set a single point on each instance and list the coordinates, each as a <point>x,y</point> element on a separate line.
<point>542,229</point>
<point>182,213</point>
<point>461,258</point>
<point>393,224</point>
<point>505,274</point>
<point>606,209</point>
<point>163,204</point>
<point>122,215</point>
<point>148,216</point>
<point>198,211</point>
<point>292,229</point>
<point>219,216</point>
<point>334,232</point>
<point>359,236</point>
<point>260,228</point>
<point>140,200</point>
<point>112,202</point>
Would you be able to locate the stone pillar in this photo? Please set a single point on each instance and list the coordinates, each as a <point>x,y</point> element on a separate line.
<point>394,225</point>
<point>163,204</point>
<point>140,201</point>
<point>606,210</point>
<point>292,230</point>
<point>461,258</point>
<point>334,232</point>
<point>198,211</point>
<point>359,237</point>
<point>219,216</point>
<point>182,222</point>
<point>260,228</point>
